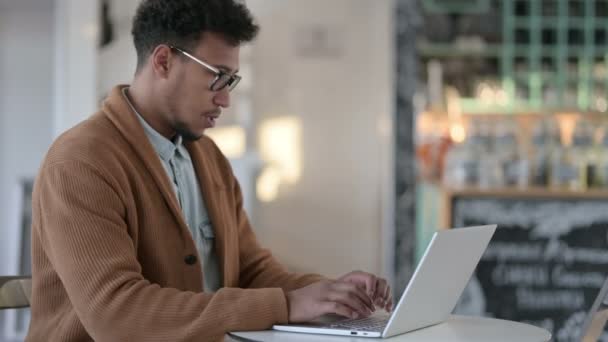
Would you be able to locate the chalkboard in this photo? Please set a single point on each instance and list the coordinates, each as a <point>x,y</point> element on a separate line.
<point>545,264</point>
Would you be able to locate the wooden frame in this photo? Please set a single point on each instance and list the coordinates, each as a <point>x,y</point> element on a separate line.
<point>528,193</point>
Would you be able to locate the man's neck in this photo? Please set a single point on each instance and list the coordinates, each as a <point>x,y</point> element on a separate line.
<point>144,104</point>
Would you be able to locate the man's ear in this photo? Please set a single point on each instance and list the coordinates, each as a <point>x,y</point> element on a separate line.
<point>161,60</point>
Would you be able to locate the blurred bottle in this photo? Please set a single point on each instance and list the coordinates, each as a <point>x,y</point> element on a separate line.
<point>572,165</point>
<point>585,156</point>
<point>431,149</point>
<point>425,155</point>
<point>600,178</point>
<point>490,173</point>
<point>455,173</point>
<point>545,139</point>
<point>444,145</point>
<point>513,161</point>
<point>462,161</point>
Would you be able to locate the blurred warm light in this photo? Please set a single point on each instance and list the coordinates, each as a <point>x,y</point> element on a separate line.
<point>601,104</point>
<point>457,132</point>
<point>485,93</point>
<point>491,95</point>
<point>424,123</point>
<point>280,145</point>
<point>267,187</point>
<point>567,122</point>
<point>454,106</point>
<point>231,140</point>
<point>501,97</point>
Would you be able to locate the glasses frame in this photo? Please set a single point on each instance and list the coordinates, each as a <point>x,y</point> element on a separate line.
<point>233,79</point>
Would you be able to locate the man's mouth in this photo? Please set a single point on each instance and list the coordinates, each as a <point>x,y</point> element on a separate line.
<point>211,118</point>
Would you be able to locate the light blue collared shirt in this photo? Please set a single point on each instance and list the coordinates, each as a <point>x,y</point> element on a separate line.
<point>177,163</point>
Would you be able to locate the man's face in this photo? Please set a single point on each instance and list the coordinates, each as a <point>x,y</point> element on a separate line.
<point>192,106</point>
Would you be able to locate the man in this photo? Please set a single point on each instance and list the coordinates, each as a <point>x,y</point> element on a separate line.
<point>138,231</point>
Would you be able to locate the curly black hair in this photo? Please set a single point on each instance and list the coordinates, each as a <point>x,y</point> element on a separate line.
<point>182,23</point>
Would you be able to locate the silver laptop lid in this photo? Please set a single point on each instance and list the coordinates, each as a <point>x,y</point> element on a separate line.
<point>595,323</point>
<point>440,278</point>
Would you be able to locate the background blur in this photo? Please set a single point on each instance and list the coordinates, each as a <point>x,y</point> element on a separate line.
<point>360,128</point>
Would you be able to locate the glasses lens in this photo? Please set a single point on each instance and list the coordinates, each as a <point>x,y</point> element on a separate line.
<point>235,81</point>
<point>225,80</point>
<point>221,82</point>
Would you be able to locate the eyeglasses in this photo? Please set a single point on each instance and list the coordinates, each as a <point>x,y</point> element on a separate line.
<point>222,79</point>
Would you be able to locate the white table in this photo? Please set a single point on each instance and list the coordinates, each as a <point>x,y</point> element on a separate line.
<point>456,329</point>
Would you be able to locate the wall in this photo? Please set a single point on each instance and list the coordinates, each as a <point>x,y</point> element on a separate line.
<point>118,60</point>
<point>26,105</point>
<point>26,112</point>
<point>337,217</point>
<point>75,57</point>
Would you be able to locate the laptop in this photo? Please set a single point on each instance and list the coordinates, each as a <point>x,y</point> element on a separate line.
<point>595,322</point>
<point>431,295</point>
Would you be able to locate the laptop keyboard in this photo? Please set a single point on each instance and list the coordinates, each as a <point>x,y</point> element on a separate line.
<point>372,323</point>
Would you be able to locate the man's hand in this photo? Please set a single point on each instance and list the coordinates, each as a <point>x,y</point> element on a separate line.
<point>328,297</point>
<point>377,288</point>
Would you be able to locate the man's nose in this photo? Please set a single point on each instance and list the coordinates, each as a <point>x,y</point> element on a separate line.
<point>222,98</point>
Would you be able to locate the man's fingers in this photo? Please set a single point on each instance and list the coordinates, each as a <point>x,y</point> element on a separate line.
<point>339,309</point>
<point>387,298</point>
<point>370,283</point>
<point>350,295</point>
<point>362,279</point>
<point>380,293</point>
<point>352,301</point>
<point>383,297</point>
<point>389,305</point>
<point>374,287</point>
<point>359,292</point>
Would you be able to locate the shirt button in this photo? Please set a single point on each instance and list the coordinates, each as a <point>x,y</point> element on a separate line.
<point>190,259</point>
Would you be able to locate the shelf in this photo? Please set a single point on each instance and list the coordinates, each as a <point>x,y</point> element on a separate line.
<point>541,193</point>
<point>501,112</point>
<point>427,49</point>
<point>456,6</point>
<point>557,22</point>
<point>547,76</point>
<point>473,106</point>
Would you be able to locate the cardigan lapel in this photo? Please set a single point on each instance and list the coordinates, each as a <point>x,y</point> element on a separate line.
<point>213,191</point>
<point>116,108</point>
<point>120,113</point>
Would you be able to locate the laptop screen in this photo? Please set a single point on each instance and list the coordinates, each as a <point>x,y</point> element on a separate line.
<point>595,323</point>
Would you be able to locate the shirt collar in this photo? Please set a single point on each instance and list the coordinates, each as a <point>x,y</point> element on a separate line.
<point>165,148</point>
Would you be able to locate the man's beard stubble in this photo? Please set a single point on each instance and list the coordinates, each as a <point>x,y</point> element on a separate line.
<point>185,133</point>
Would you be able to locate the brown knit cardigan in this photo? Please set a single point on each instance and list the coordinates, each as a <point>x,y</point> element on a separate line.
<point>113,259</point>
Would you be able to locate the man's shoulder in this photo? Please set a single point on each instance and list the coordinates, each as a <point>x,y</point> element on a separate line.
<point>208,145</point>
<point>209,148</point>
<point>215,160</point>
<point>91,141</point>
